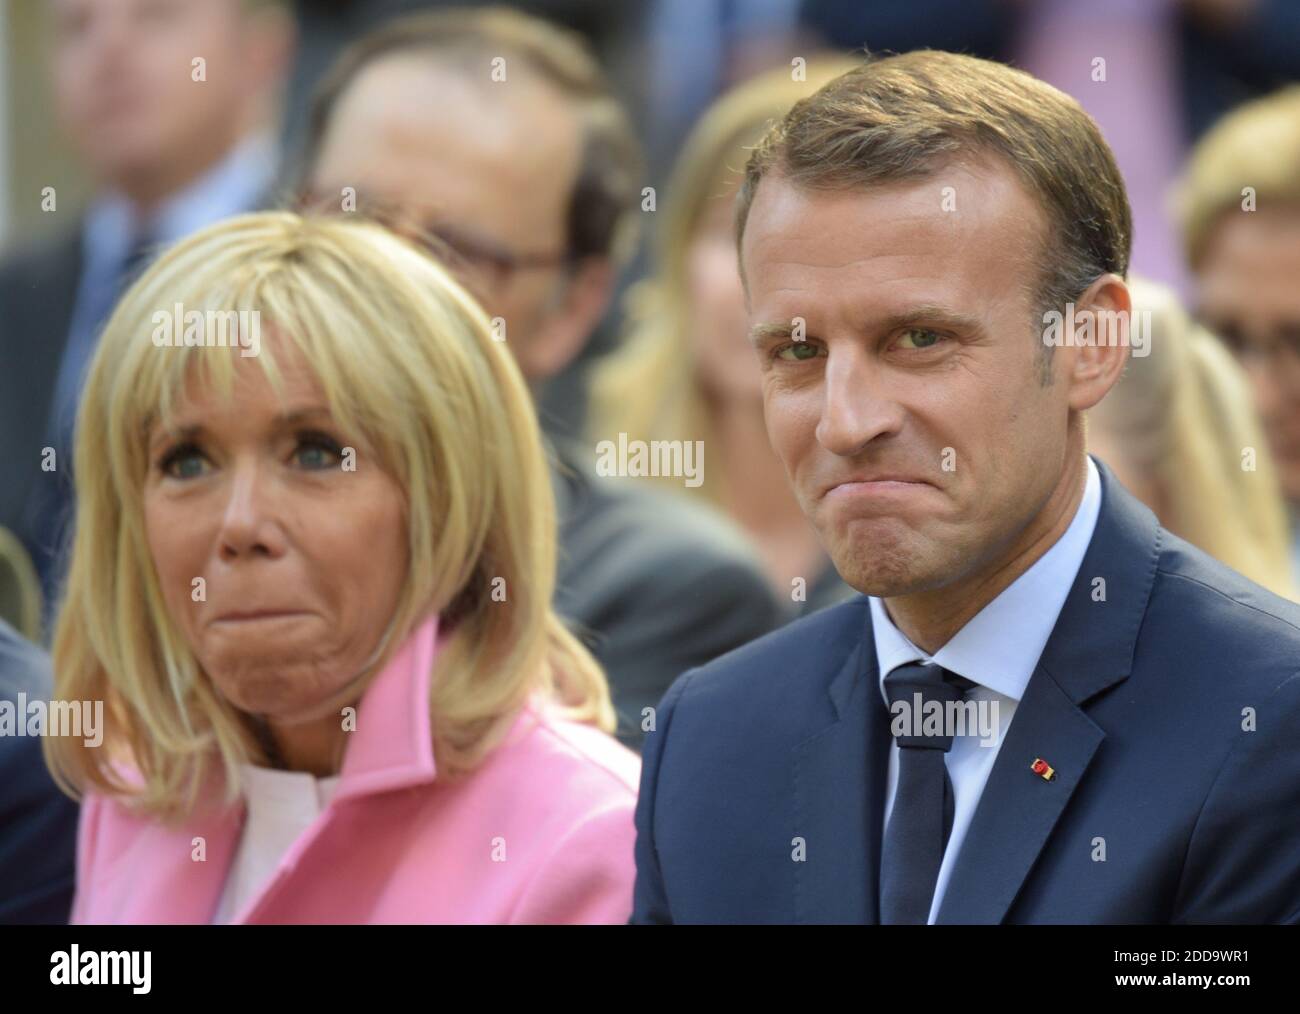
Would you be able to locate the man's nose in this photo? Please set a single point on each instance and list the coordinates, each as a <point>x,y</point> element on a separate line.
<point>857,406</point>
<point>250,521</point>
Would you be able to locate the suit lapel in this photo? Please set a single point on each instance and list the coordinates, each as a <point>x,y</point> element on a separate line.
<point>839,822</point>
<point>1018,808</point>
<point>1091,649</point>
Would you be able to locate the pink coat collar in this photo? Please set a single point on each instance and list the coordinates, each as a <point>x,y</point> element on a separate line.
<point>392,746</point>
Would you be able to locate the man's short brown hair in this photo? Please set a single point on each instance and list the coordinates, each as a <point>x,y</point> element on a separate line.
<point>903,118</point>
<point>602,205</point>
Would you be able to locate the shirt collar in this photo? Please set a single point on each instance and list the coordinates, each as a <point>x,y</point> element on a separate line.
<point>271,793</point>
<point>1000,646</point>
<point>234,185</point>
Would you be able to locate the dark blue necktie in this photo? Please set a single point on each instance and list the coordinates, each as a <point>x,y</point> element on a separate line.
<point>921,820</point>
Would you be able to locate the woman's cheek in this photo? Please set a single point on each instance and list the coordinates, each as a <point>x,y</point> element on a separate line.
<point>173,544</point>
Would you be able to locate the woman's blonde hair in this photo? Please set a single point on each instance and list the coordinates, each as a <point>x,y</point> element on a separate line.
<point>650,389</point>
<point>1184,416</point>
<point>1255,147</point>
<point>406,359</point>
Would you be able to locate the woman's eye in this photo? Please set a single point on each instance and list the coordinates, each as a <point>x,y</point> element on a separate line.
<point>797,352</point>
<point>921,338</point>
<point>317,452</point>
<point>184,462</point>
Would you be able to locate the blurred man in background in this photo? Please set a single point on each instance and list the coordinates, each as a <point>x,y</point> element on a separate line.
<point>1240,205</point>
<point>171,105</point>
<point>493,134</point>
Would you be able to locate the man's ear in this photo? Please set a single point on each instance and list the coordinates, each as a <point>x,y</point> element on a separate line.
<point>582,302</point>
<point>1098,342</point>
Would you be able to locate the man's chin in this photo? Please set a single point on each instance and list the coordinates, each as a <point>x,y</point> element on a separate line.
<point>885,575</point>
<point>887,586</point>
<point>882,560</point>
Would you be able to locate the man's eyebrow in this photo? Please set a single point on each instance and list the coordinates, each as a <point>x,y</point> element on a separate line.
<point>924,313</point>
<point>760,334</point>
<point>928,313</point>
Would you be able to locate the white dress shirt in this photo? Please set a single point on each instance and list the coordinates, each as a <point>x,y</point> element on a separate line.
<point>281,806</point>
<point>998,649</point>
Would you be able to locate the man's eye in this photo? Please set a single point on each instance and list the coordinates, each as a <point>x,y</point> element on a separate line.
<point>183,462</point>
<point>920,338</point>
<point>797,352</point>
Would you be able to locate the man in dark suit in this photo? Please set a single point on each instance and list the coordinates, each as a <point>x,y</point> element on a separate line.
<point>933,247</point>
<point>169,104</point>
<point>494,136</point>
<point>38,823</point>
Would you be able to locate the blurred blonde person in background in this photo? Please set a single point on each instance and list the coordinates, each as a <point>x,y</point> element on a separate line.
<point>1181,432</point>
<point>1239,204</point>
<point>687,371</point>
<point>313,588</point>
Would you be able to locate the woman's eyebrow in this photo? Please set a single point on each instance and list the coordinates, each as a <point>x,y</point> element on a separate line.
<point>285,420</point>
<point>161,433</point>
<point>312,413</point>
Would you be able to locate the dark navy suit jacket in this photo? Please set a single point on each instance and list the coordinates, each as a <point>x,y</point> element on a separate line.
<point>763,785</point>
<point>38,823</point>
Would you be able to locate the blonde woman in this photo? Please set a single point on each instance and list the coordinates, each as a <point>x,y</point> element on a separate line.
<point>1181,432</point>
<point>311,580</point>
<point>1239,206</point>
<point>687,371</point>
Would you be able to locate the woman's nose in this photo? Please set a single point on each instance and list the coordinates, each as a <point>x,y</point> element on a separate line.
<point>250,522</point>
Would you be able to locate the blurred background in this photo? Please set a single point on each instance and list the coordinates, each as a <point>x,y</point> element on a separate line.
<point>669,58</point>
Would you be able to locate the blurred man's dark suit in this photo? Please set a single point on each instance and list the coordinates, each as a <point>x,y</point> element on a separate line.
<point>38,290</point>
<point>38,823</point>
<point>1139,703</point>
<point>653,583</point>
